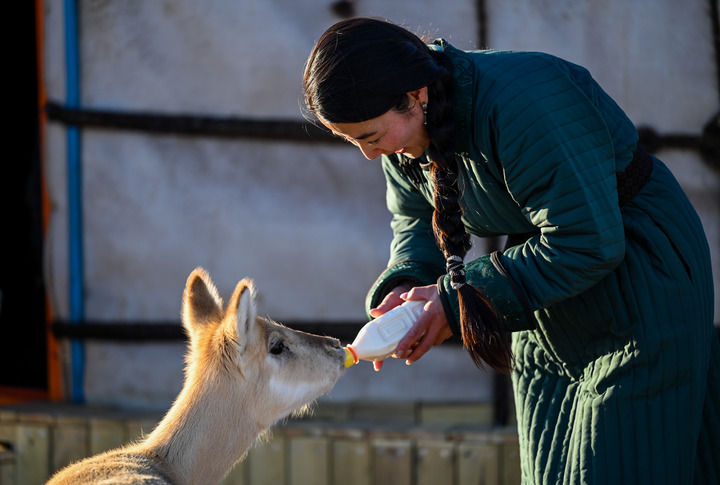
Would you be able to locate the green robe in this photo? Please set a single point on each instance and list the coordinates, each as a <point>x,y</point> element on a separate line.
<point>616,369</point>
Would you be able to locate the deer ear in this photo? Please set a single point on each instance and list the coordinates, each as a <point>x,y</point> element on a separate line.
<point>201,302</point>
<point>241,313</point>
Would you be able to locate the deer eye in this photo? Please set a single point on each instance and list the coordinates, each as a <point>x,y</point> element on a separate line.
<point>277,347</point>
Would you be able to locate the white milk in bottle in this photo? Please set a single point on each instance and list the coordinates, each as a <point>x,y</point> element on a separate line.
<point>379,338</point>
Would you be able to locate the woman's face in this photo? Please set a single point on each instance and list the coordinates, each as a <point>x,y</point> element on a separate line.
<point>391,132</point>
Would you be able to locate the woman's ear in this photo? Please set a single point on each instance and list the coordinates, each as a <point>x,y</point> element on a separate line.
<point>419,95</point>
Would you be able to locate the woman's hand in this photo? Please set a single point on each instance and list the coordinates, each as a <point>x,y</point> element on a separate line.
<point>390,301</point>
<point>430,329</point>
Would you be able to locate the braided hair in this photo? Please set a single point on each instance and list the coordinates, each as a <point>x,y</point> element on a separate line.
<point>361,68</point>
<point>482,333</point>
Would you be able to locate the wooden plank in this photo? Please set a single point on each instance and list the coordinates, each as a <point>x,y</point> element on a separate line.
<point>138,429</point>
<point>309,461</point>
<point>32,451</point>
<point>7,465</point>
<point>435,462</point>
<point>69,442</point>
<point>395,413</point>
<point>238,475</point>
<point>8,432</point>
<point>478,462</point>
<point>351,462</point>
<point>457,414</point>
<point>106,434</point>
<point>8,441</point>
<point>267,462</point>
<point>7,416</point>
<point>511,473</point>
<point>392,461</point>
<point>327,412</point>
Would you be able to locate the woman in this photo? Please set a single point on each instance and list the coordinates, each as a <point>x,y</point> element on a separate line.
<point>605,289</point>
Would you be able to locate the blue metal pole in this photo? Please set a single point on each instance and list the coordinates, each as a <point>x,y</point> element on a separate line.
<point>75,206</point>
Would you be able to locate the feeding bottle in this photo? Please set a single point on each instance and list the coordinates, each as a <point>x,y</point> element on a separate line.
<point>379,338</point>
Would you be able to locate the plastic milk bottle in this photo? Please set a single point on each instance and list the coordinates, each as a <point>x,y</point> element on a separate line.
<point>379,338</point>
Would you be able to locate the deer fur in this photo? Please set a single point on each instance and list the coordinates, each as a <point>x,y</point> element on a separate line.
<point>243,373</point>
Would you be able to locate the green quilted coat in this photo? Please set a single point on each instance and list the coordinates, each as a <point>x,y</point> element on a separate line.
<point>616,367</point>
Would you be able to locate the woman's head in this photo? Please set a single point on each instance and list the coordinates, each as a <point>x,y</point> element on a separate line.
<point>399,130</point>
<point>361,68</point>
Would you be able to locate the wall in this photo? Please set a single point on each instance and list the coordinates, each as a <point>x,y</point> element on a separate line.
<point>306,221</point>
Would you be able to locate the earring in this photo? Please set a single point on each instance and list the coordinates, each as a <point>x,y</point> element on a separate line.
<point>424,110</point>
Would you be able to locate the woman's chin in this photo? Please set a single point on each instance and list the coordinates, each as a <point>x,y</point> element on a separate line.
<point>410,153</point>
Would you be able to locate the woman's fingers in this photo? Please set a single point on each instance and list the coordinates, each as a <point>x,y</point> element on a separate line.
<point>390,301</point>
<point>412,337</point>
<point>422,348</point>
<point>384,306</point>
<point>430,329</point>
<point>421,293</point>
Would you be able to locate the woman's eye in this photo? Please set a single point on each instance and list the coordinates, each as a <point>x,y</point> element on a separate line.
<point>277,347</point>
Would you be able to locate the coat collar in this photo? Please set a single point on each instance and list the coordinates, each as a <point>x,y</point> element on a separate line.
<point>463,92</point>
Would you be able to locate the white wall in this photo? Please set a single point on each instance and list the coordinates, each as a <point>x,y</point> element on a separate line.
<point>306,221</point>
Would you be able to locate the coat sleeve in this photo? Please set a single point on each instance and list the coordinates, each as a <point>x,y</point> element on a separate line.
<point>414,256</point>
<point>559,165</point>
<point>558,162</point>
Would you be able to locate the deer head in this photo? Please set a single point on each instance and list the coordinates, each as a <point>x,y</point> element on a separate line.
<point>273,369</point>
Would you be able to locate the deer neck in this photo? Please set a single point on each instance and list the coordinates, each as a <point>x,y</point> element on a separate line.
<point>203,434</point>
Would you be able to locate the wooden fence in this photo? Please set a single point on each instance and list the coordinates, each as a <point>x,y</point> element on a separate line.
<point>345,445</point>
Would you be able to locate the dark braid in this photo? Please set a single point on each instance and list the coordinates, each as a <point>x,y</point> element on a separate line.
<point>482,334</point>
<point>447,219</point>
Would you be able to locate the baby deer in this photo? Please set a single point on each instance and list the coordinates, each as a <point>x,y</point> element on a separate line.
<point>243,373</point>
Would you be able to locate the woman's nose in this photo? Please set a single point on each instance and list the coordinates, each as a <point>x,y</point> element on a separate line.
<point>370,152</point>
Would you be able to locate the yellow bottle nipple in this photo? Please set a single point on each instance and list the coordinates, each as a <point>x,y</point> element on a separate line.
<point>350,357</point>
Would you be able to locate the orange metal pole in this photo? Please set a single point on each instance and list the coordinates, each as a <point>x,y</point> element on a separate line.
<point>54,378</point>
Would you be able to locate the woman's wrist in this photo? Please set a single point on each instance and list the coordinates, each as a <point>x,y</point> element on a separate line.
<point>447,307</point>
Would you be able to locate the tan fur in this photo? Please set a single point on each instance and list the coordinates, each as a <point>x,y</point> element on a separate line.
<point>242,374</point>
